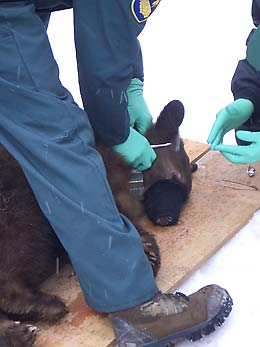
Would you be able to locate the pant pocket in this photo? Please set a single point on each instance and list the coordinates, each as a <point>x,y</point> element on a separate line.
<point>26,57</point>
<point>12,67</point>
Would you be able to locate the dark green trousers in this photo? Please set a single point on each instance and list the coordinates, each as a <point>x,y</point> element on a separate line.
<point>51,137</point>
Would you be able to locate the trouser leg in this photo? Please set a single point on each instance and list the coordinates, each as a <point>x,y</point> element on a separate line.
<point>50,136</point>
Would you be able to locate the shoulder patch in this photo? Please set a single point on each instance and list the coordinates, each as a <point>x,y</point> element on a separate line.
<point>142,9</point>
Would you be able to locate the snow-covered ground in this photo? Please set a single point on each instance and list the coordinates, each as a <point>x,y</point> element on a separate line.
<point>190,51</point>
<point>235,267</point>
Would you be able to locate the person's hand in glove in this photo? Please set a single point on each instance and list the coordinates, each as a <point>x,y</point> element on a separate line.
<point>136,150</point>
<point>140,116</point>
<point>243,154</point>
<point>228,118</point>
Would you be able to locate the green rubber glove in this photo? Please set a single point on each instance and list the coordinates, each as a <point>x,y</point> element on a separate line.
<point>140,116</point>
<point>136,150</point>
<point>243,154</point>
<point>228,118</point>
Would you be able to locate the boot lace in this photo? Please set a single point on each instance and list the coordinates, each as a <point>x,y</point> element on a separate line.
<point>166,304</point>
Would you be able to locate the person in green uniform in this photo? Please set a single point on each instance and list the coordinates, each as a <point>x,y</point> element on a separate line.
<point>54,142</point>
<point>243,114</point>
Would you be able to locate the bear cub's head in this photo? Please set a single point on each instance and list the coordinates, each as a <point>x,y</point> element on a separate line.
<point>167,183</point>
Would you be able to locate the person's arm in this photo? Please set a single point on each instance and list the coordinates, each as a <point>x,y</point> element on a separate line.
<point>108,56</point>
<point>246,80</point>
<point>140,116</point>
<point>246,90</point>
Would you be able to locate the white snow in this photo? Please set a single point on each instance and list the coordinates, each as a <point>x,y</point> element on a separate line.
<point>190,50</point>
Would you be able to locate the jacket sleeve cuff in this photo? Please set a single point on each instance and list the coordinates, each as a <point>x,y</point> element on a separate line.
<point>246,85</point>
<point>108,115</point>
<point>252,96</point>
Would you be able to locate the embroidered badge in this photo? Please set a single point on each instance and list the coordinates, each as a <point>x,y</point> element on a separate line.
<point>142,9</point>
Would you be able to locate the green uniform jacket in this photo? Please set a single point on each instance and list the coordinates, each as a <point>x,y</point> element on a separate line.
<point>108,57</point>
<point>246,80</point>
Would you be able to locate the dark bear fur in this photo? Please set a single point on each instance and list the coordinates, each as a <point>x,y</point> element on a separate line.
<point>29,247</point>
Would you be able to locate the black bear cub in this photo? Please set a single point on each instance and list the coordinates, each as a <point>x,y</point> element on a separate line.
<point>29,247</point>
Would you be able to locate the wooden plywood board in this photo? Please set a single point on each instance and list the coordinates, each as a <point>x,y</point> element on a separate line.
<point>195,150</point>
<point>223,199</point>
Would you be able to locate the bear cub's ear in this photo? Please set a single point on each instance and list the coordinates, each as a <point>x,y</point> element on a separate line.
<point>170,119</point>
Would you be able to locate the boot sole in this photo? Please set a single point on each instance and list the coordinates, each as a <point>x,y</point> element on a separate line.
<point>198,331</point>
